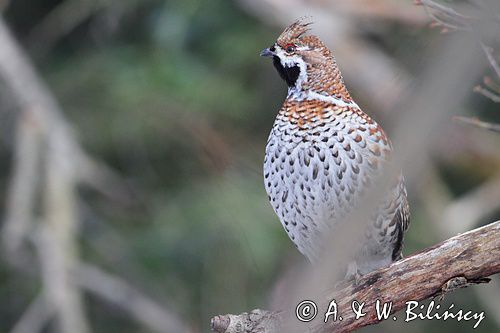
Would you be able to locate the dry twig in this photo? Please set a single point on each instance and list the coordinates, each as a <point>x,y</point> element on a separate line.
<point>449,19</point>
<point>445,16</point>
<point>491,58</point>
<point>478,123</point>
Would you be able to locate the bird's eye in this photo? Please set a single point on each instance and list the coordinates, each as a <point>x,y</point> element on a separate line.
<point>290,48</point>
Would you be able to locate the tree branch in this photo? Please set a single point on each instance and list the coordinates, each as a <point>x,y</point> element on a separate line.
<point>36,316</point>
<point>478,123</point>
<point>449,19</point>
<point>48,159</point>
<point>474,254</point>
<point>115,290</point>
<point>445,16</point>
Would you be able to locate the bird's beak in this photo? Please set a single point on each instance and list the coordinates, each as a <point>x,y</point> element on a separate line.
<point>267,53</point>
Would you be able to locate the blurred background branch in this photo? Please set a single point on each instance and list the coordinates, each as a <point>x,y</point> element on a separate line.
<point>52,138</point>
<point>151,314</point>
<point>64,18</point>
<point>449,19</point>
<point>35,317</point>
<point>478,123</point>
<point>49,156</point>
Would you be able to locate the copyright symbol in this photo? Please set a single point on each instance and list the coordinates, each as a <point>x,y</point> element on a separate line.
<point>306,311</point>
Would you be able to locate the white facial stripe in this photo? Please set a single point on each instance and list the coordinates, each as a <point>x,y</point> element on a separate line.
<point>303,48</point>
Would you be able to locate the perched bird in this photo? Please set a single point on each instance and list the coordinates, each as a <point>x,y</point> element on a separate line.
<point>322,154</point>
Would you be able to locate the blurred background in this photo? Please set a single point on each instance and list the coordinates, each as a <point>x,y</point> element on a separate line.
<point>133,194</point>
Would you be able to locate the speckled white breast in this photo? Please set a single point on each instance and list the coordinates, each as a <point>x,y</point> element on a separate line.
<point>316,166</point>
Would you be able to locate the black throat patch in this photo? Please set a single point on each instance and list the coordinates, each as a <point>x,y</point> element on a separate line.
<point>289,74</point>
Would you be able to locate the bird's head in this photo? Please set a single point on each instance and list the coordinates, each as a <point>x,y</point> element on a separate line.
<point>305,63</point>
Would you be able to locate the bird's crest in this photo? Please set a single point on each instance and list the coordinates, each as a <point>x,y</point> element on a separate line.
<point>294,31</point>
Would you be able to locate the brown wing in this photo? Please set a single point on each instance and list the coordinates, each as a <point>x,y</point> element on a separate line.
<point>402,219</point>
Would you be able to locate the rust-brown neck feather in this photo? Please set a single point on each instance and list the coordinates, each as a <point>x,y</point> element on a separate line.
<point>323,74</point>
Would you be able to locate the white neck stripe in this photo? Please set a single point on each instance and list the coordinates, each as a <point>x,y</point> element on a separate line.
<point>312,95</point>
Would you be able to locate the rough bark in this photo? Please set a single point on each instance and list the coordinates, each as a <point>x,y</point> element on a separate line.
<point>458,262</point>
